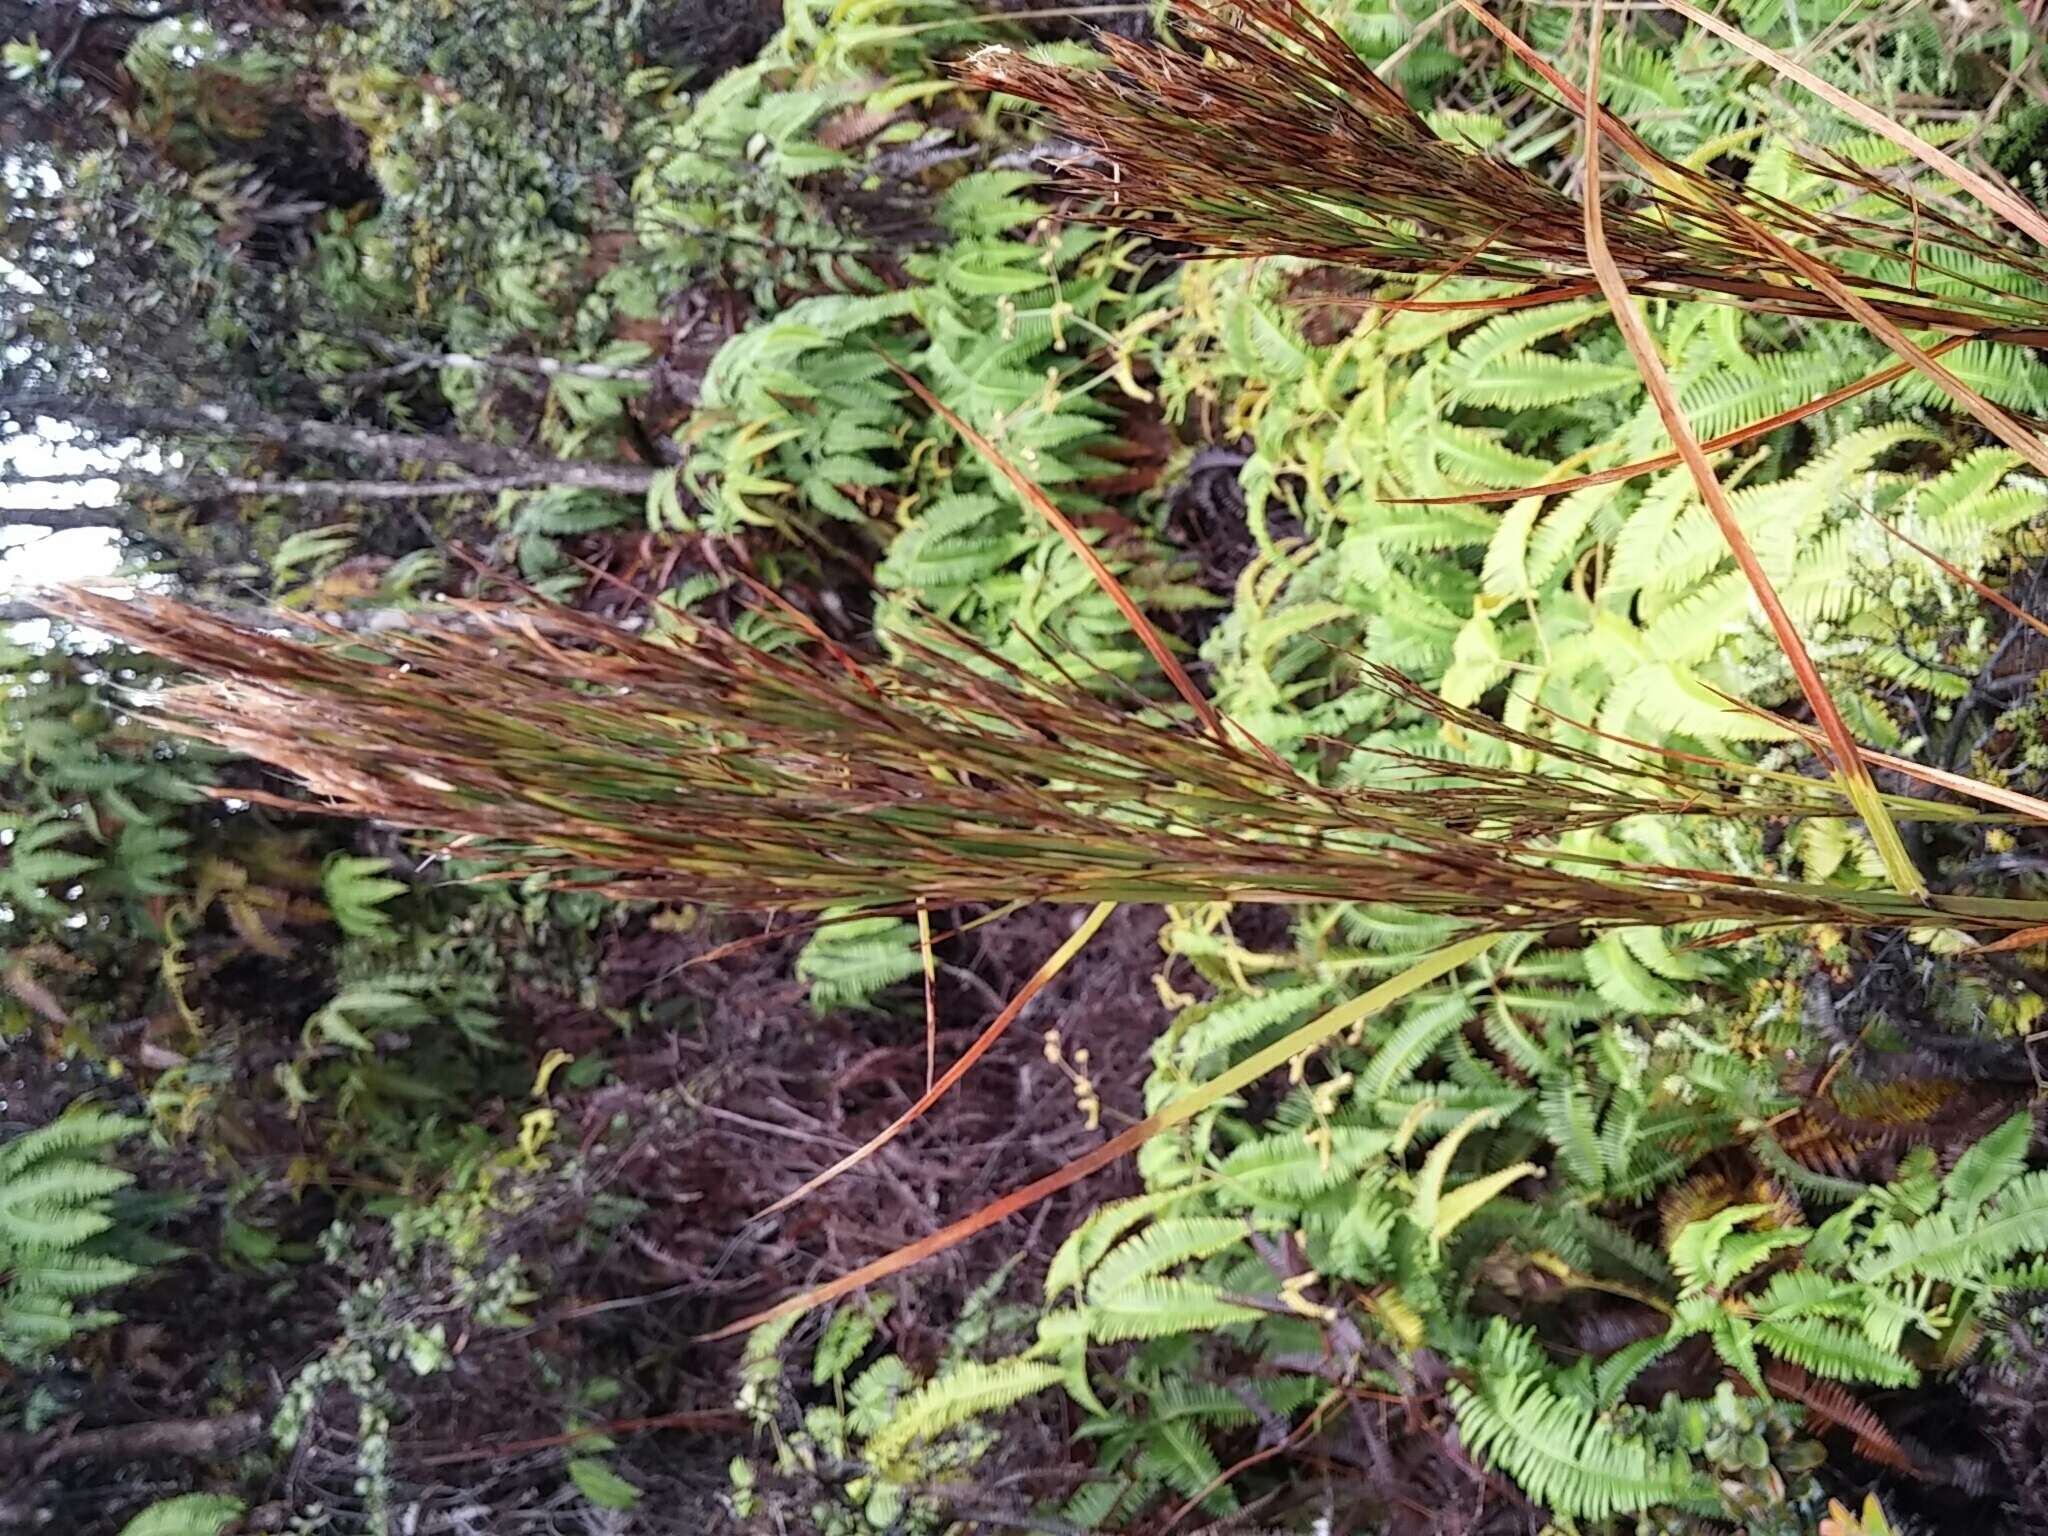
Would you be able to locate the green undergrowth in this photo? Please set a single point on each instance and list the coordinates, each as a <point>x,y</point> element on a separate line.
<point>1624,1126</point>
<point>846,194</point>
<point>1655,1224</point>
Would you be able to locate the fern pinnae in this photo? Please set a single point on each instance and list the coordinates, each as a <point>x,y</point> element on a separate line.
<point>1943,1246</point>
<point>1161,1246</point>
<point>186,1514</point>
<point>1534,380</point>
<point>1094,1236</point>
<point>55,1201</point>
<point>968,1391</point>
<point>1504,1028</point>
<point>1622,1250</point>
<point>1571,1121</point>
<point>1159,1306</point>
<point>1504,337</point>
<point>1615,1373</point>
<point>1988,1165</point>
<point>1724,398</point>
<point>1179,1399</point>
<point>1223,1025</point>
<point>1185,1462</point>
<point>850,960</point>
<point>67,1136</point>
<point>1559,1451</point>
<point>1634,561</point>
<point>1835,1350</point>
<point>1278,1167</point>
<point>1428,1020</point>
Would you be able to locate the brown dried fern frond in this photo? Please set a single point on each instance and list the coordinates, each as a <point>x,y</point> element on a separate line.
<point>1857,1129</point>
<point>1708,1190</point>
<point>1833,1406</point>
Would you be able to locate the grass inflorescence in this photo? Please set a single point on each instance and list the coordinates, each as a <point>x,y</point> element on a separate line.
<point>711,770</point>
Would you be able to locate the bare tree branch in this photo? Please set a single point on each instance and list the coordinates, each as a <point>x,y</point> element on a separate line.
<point>62,519</point>
<point>626,479</point>
<point>220,421</point>
<point>126,1442</point>
<point>542,367</point>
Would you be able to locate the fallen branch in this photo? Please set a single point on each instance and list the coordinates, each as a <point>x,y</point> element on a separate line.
<point>132,1442</point>
<point>412,362</point>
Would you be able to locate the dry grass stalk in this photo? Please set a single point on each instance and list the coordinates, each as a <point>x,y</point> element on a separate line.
<point>717,772</point>
<point>1267,135</point>
<point>1849,765</point>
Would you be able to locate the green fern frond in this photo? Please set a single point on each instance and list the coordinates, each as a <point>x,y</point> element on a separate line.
<point>1626,983</point>
<point>1570,1120</point>
<point>67,1137</point>
<point>1560,1452</point>
<point>1987,1166</point>
<point>1294,1167</point>
<point>1532,380</point>
<point>187,1514</point>
<point>1612,1242</point>
<point>1705,1253</point>
<point>1428,1020</point>
<point>844,1341</point>
<point>356,890</point>
<point>849,963</point>
<point>68,1272</point>
<point>1232,1021</point>
<point>1178,1399</point>
<point>57,1205</point>
<point>2012,376</point>
<point>1962,1248</point>
<point>1834,1350</point>
<point>969,1391</point>
<point>1161,1246</point>
<point>1095,1236</point>
<point>1183,1460</point>
<point>988,203</point>
<point>55,1200</point>
<point>1508,337</point>
<point>1155,1308</point>
<point>1615,1373</point>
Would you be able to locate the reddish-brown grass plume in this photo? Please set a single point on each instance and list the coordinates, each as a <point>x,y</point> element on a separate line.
<point>1266,135</point>
<point>713,771</point>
